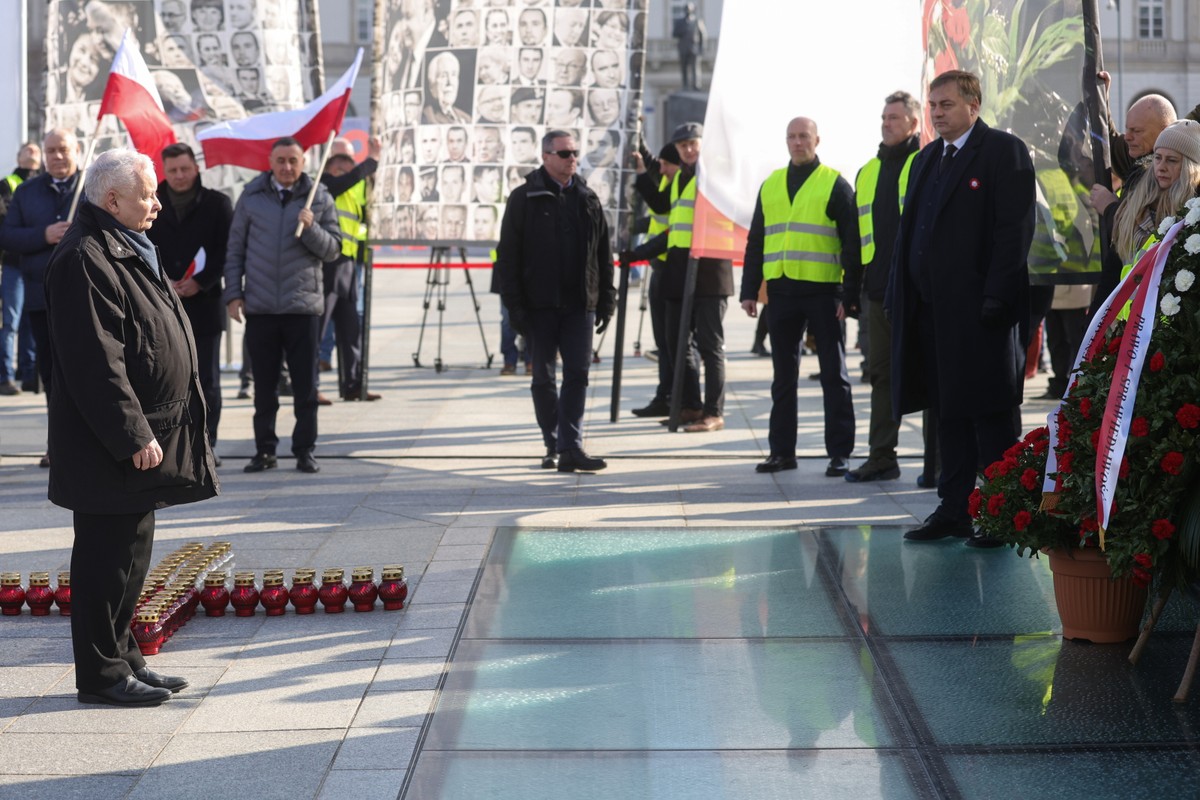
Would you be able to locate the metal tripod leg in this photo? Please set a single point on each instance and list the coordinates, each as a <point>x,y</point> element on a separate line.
<point>478,319</point>
<point>430,283</point>
<point>643,304</point>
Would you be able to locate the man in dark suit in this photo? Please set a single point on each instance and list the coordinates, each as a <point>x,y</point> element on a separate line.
<point>958,297</point>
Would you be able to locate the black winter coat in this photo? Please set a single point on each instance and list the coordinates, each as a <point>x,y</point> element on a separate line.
<point>714,276</point>
<point>124,374</point>
<point>528,258</point>
<point>205,224</point>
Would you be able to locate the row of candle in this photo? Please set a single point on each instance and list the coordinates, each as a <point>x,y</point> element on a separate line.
<point>39,596</point>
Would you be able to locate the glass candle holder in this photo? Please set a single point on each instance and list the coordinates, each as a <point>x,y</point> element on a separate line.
<point>303,594</point>
<point>333,592</point>
<point>148,632</point>
<point>244,597</point>
<point>363,590</point>
<point>274,597</point>
<point>393,588</point>
<point>215,595</point>
<point>62,593</point>
<point>12,594</point>
<point>39,596</point>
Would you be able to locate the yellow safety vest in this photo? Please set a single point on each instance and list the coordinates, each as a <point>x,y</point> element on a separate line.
<point>683,213</point>
<point>659,222</point>
<point>13,181</point>
<point>1128,268</point>
<point>351,207</point>
<point>800,241</point>
<point>864,194</point>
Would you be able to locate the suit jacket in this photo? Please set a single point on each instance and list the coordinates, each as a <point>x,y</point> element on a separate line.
<point>977,248</point>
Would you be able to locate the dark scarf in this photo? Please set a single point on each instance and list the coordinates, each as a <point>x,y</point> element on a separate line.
<point>182,201</point>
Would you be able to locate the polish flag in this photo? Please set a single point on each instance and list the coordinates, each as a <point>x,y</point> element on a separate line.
<point>247,142</point>
<point>131,96</point>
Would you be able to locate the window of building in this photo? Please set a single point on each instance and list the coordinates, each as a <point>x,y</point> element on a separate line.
<point>363,17</point>
<point>1151,18</point>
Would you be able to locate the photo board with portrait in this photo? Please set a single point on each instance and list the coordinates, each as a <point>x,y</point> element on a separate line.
<point>211,61</point>
<point>463,92</point>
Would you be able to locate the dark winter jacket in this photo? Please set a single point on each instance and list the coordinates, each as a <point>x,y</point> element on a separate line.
<point>205,225</point>
<point>266,265</point>
<point>124,374</point>
<point>714,276</point>
<point>35,205</point>
<point>551,239</point>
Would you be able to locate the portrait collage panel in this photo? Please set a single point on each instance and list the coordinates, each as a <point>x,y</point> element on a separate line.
<point>467,88</point>
<point>211,61</point>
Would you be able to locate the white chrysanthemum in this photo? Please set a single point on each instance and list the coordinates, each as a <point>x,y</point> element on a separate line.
<point>1192,203</point>
<point>1184,279</point>
<point>1192,245</point>
<point>1166,226</point>
<point>1193,216</point>
<point>1169,305</point>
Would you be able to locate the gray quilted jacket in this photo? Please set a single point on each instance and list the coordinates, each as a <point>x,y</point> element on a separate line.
<point>266,266</point>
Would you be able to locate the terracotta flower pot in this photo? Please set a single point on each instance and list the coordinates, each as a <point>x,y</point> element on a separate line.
<point>1091,604</point>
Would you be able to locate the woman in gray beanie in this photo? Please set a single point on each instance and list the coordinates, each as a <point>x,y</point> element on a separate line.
<point>1176,174</point>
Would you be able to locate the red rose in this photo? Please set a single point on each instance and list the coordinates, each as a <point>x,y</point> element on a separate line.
<point>1162,528</point>
<point>1115,344</point>
<point>974,502</point>
<point>1007,465</point>
<point>1089,525</point>
<point>1064,429</point>
<point>1141,577</point>
<point>1172,463</point>
<point>1188,416</point>
<point>1029,478</point>
<point>1085,407</point>
<point>1014,451</point>
<point>991,470</point>
<point>1157,361</point>
<point>1038,433</point>
<point>1139,427</point>
<point>1123,472</point>
<point>995,503</point>
<point>1095,438</point>
<point>1144,560</point>
<point>1064,461</point>
<point>1022,519</point>
<point>1040,446</point>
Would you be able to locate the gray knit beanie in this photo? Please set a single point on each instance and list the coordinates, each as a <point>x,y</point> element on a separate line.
<point>1183,137</point>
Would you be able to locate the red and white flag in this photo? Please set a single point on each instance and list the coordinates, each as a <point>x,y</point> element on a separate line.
<point>131,96</point>
<point>247,142</point>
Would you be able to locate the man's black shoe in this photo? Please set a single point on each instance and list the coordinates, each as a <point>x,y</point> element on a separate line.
<point>838,466</point>
<point>656,408</point>
<point>982,540</point>
<point>169,682</point>
<point>305,462</point>
<point>872,472</point>
<point>262,461</point>
<point>579,461</point>
<point>30,386</point>
<point>130,693</point>
<point>551,459</point>
<point>776,464</point>
<point>936,527</point>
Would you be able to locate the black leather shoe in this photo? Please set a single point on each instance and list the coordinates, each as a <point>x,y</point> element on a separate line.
<point>551,459</point>
<point>838,467</point>
<point>579,461</point>
<point>305,462</point>
<point>936,527</point>
<point>130,693</point>
<point>776,464</point>
<point>261,462</point>
<point>872,472</point>
<point>982,540</point>
<point>169,682</point>
<point>656,408</point>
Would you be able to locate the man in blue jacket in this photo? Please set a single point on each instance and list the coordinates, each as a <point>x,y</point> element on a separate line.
<point>275,279</point>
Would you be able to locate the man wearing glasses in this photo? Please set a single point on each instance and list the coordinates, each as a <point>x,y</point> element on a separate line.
<point>555,268</point>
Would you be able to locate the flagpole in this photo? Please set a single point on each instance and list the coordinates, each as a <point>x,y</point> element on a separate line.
<point>87,159</point>
<point>312,193</point>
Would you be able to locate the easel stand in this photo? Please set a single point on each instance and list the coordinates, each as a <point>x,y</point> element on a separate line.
<point>437,283</point>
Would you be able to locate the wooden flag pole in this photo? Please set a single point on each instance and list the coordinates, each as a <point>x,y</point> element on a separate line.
<point>87,159</point>
<point>312,193</point>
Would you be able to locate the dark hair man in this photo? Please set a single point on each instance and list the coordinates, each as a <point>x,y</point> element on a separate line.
<point>275,278</point>
<point>959,295</point>
<point>556,278</point>
<point>191,233</point>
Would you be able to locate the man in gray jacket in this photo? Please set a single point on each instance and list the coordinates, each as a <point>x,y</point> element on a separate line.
<point>275,278</point>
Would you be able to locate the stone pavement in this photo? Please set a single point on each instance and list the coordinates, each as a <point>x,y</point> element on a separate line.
<point>332,706</point>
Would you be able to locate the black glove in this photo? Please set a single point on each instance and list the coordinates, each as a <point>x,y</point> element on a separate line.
<point>994,315</point>
<point>602,323</point>
<point>627,257</point>
<point>516,321</point>
<point>852,310</point>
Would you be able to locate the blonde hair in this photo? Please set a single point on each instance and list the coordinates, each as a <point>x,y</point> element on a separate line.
<point>1147,205</point>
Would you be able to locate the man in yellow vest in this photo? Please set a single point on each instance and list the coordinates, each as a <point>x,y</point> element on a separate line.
<point>347,182</point>
<point>804,241</point>
<point>18,368</point>
<point>879,192</point>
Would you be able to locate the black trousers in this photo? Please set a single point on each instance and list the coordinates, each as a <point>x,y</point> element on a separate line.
<point>341,308</point>
<point>108,567</point>
<point>1065,328</point>
<point>705,346</point>
<point>208,364</point>
<point>662,339</point>
<point>787,318</point>
<point>560,413</point>
<point>967,442</point>
<point>39,325</point>
<point>293,337</point>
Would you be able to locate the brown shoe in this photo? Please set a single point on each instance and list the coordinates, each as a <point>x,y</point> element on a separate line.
<point>45,462</point>
<point>686,416</point>
<point>706,424</point>
<point>324,365</point>
<point>508,369</point>
<point>322,400</point>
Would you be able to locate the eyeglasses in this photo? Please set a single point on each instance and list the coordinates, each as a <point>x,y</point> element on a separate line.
<point>564,154</point>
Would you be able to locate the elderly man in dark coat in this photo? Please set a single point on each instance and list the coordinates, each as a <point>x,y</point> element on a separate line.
<point>958,296</point>
<point>127,432</point>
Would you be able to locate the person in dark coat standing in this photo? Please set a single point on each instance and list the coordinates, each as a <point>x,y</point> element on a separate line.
<point>555,266</point>
<point>191,233</point>
<point>127,431</point>
<point>958,297</point>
